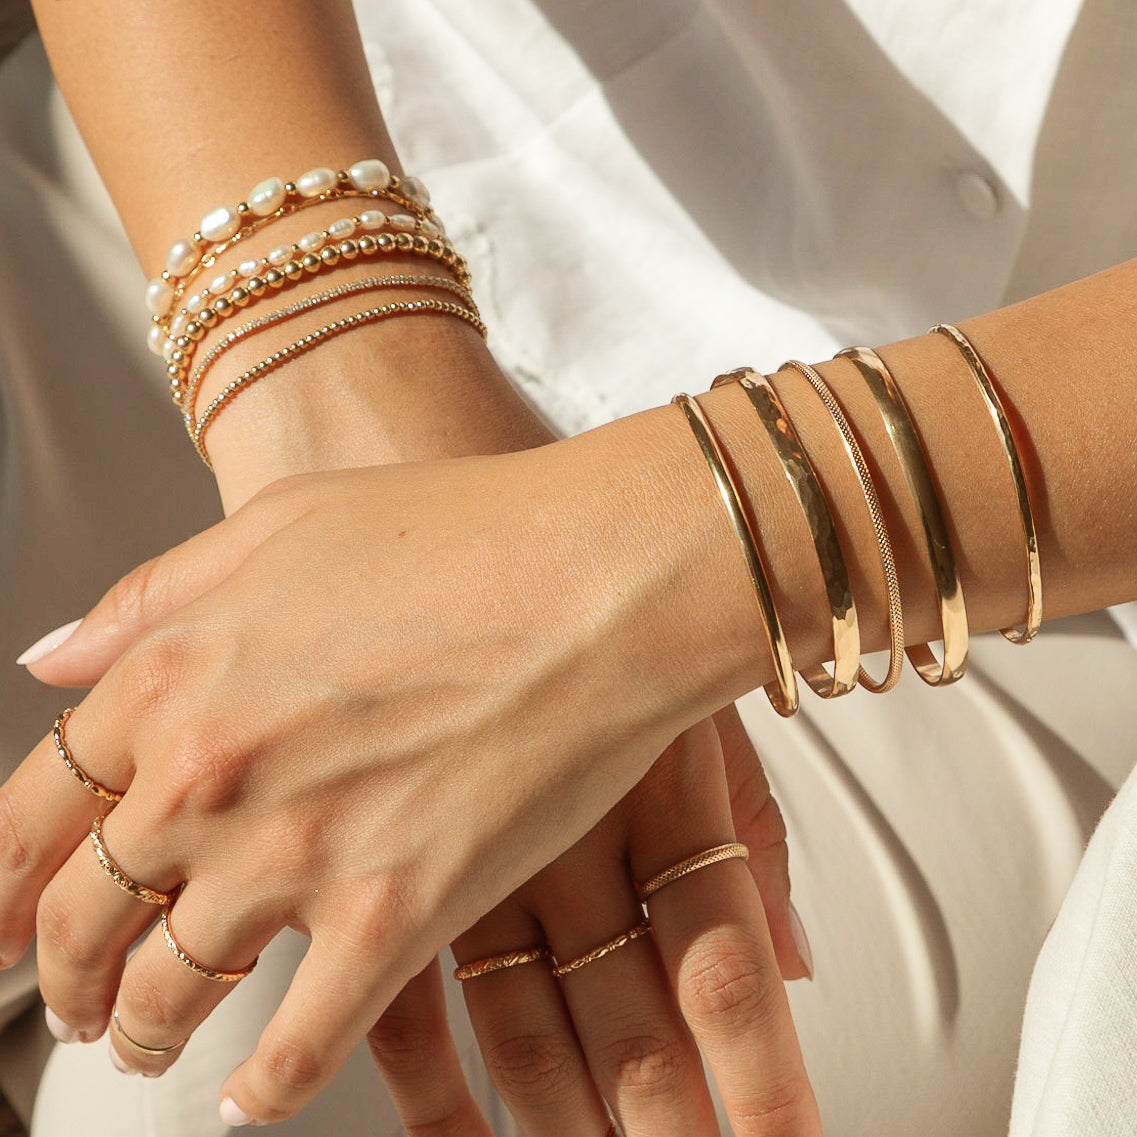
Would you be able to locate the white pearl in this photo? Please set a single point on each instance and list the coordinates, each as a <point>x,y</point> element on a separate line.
<point>414,189</point>
<point>178,325</point>
<point>311,242</point>
<point>370,174</point>
<point>403,222</point>
<point>155,338</point>
<point>373,219</point>
<point>159,296</point>
<point>266,197</point>
<point>316,182</point>
<point>220,284</point>
<point>168,349</point>
<point>220,224</point>
<point>341,229</point>
<point>248,268</point>
<point>430,230</point>
<point>282,254</point>
<point>195,302</point>
<point>182,258</point>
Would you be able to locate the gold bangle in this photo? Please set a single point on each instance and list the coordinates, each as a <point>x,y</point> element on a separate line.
<point>59,734</point>
<point>814,502</point>
<point>1026,632</point>
<point>114,870</point>
<point>887,557</point>
<point>735,850</point>
<point>199,968</point>
<point>313,340</point>
<point>606,948</point>
<point>782,691</point>
<point>507,959</point>
<point>917,472</point>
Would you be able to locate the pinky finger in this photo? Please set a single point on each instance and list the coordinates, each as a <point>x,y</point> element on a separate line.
<point>415,1052</point>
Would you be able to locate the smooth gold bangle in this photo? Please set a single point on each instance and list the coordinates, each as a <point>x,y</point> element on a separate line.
<point>803,479</point>
<point>1025,632</point>
<point>917,473</point>
<point>782,691</point>
<point>887,557</point>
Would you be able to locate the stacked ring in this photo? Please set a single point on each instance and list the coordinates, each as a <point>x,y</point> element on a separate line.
<point>64,752</point>
<point>193,965</point>
<point>152,1051</point>
<point>692,864</point>
<point>112,868</point>
<point>500,962</point>
<point>599,952</point>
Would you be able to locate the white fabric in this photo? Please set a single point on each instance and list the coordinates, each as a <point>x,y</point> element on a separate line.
<point>649,194</point>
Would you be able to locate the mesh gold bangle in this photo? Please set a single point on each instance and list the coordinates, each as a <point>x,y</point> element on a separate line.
<point>917,472</point>
<point>803,479</point>
<point>782,692</point>
<point>1025,632</point>
<point>887,557</point>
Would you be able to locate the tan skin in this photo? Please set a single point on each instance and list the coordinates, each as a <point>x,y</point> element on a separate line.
<point>647,559</point>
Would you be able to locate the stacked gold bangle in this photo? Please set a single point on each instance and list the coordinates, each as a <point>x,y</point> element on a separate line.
<point>809,489</point>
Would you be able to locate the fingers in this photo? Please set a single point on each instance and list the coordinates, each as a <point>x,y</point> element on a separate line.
<point>414,1049</point>
<point>526,1033</point>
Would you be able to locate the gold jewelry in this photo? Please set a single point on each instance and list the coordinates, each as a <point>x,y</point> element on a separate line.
<point>152,1051</point>
<point>500,962</point>
<point>112,868</point>
<point>692,864</point>
<point>1029,628</point>
<point>193,965</point>
<point>315,339</point>
<point>64,752</point>
<point>917,472</point>
<point>782,691</point>
<point>803,479</point>
<point>887,558</point>
<point>563,969</point>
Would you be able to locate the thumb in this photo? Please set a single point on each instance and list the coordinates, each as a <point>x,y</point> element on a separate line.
<point>79,653</point>
<point>758,824</point>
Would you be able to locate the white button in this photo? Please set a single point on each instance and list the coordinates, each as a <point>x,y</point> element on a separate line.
<point>977,195</point>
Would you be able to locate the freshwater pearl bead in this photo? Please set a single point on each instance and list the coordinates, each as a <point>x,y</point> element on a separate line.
<point>282,254</point>
<point>341,229</point>
<point>159,296</point>
<point>370,174</point>
<point>220,224</point>
<point>403,222</point>
<point>194,303</point>
<point>429,230</point>
<point>414,189</point>
<point>311,242</point>
<point>182,258</point>
<point>168,349</point>
<point>155,339</point>
<point>267,197</point>
<point>178,324</point>
<point>373,219</point>
<point>248,268</point>
<point>220,284</point>
<point>316,182</point>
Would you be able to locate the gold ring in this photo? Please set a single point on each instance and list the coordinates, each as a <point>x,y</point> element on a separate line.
<point>692,864</point>
<point>563,969</point>
<point>153,1051</point>
<point>112,868</point>
<point>193,965</point>
<point>64,752</point>
<point>500,962</point>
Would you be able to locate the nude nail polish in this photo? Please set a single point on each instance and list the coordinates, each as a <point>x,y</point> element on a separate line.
<point>232,1114</point>
<point>59,1029</point>
<point>801,941</point>
<point>45,645</point>
<point>119,1064</point>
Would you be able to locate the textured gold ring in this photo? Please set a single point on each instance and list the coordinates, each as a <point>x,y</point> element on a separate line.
<point>114,870</point>
<point>606,948</point>
<point>501,962</point>
<point>152,1051</point>
<point>193,965</point>
<point>735,850</point>
<point>64,752</point>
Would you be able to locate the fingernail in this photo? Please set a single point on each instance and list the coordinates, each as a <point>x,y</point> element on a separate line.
<point>801,941</point>
<point>59,1028</point>
<point>119,1064</point>
<point>47,644</point>
<point>232,1114</point>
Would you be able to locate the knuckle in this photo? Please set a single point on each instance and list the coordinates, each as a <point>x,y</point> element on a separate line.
<point>404,1044</point>
<point>145,1002</point>
<point>458,1122</point>
<point>785,1108</point>
<point>58,930</point>
<point>19,857</point>
<point>532,1068</point>
<point>131,600</point>
<point>205,768</point>
<point>650,1064</point>
<point>726,986</point>
<point>292,1068</point>
<point>152,673</point>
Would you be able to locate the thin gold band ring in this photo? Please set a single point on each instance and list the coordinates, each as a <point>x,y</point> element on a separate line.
<point>193,965</point>
<point>735,850</point>
<point>152,1051</point>
<point>493,963</point>
<point>64,751</point>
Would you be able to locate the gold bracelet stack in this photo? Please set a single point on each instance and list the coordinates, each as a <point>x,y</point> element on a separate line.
<point>815,502</point>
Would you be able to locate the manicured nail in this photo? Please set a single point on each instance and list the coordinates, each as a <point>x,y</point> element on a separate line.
<point>47,644</point>
<point>59,1028</point>
<point>801,941</point>
<point>119,1064</point>
<point>233,1115</point>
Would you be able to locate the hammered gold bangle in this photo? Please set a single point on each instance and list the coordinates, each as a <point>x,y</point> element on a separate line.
<point>782,691</point>
<point>803,479</point>
<point>1025,632</point>
<point>917,472</point>
<point>884,541</point>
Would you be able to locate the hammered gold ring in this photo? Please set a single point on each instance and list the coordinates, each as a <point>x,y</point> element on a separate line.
<point>692,864</point>
<point>501,962</point>
<point>114,870</point>
<point>152,1051</point>
<point>64,751</point>
<point>199,968</point>
<point>599,952</point>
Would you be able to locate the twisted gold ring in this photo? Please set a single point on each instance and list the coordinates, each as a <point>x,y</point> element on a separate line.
<point>114,870</point>
<point>64,752</point>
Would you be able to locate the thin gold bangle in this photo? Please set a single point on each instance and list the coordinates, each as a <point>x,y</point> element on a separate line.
<point>782,691</point>
<point>917,472</point>
<point>1025,632</point>
<point>818,510</point>
<point>887,557</point>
